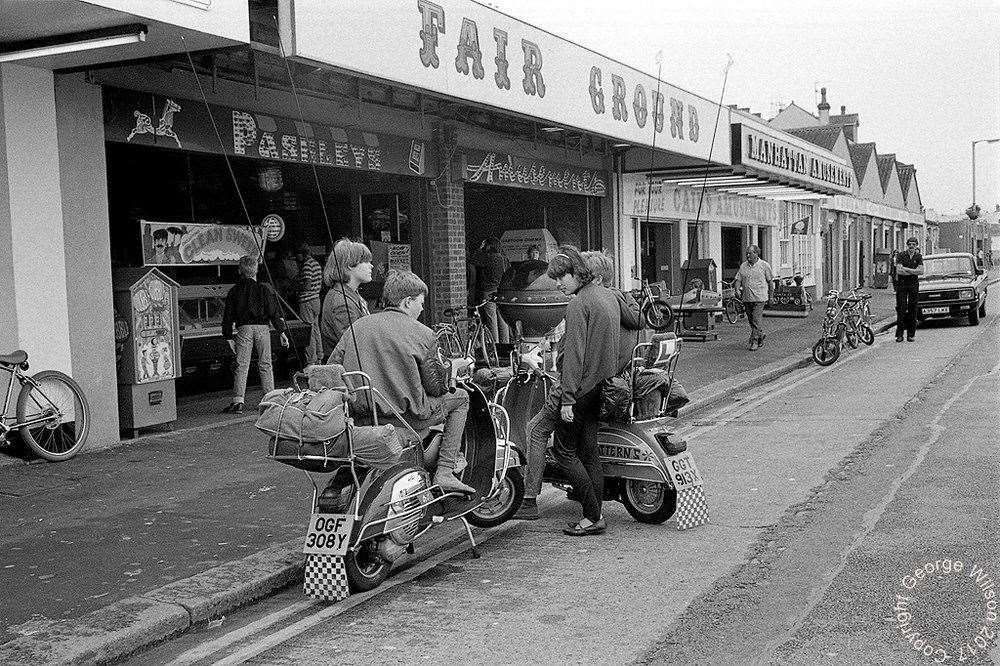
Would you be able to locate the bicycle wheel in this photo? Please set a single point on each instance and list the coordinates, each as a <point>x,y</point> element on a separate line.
<point>59,401</point>
<point>826,351</point>
<point>658,315</point>
<point>730,310</point>
<point>867,335</point>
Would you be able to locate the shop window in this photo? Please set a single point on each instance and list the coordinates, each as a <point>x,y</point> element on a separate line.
<point>785,237</point>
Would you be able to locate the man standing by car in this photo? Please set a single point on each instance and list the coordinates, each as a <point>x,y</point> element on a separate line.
<point>755,282</point>
<point>909,265</point>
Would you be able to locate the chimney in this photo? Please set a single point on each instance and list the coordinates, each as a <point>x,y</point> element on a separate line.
<point>824,108</point>
<point>843,110</point>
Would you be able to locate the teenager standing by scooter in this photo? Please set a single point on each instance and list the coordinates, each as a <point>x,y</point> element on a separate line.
<point>588,355</point>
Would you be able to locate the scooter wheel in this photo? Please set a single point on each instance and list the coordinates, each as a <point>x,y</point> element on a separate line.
<point>658,315</point>
<point>826,351</point>
<point>649,501</point>
<point>504,504</point>
<point>366,569</point>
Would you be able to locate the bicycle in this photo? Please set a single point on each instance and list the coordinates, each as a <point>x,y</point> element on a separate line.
<point>732,305</point>
<point>52,413</point>
<point>844,323</point>
<point>654,308</point>
<point>478,342</point>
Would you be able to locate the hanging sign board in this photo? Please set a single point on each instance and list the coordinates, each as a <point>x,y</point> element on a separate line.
<point>174,244</point>
<point>790,159</point>
<point>274,227</point>
<point>180,124</point>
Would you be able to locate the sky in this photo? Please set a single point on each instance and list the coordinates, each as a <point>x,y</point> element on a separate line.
<point>924,77</point>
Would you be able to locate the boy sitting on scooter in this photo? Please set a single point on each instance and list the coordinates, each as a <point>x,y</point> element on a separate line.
<point>399,354</point>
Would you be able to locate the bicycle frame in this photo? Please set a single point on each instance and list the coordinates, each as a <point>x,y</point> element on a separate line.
<point>17,373</point>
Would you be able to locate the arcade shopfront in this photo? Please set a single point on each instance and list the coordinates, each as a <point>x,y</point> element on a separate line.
<point>173,205</point>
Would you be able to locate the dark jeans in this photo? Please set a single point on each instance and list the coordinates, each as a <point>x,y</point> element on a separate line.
<point>755,315</point>
<point>906,309</point>
<point>575,451</point>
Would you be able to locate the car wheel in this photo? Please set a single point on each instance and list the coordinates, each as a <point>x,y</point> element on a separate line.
<point>974,317</point>
<point>982,309</point>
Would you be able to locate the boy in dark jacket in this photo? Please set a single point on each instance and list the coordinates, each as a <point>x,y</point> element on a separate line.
<point>393,348</point>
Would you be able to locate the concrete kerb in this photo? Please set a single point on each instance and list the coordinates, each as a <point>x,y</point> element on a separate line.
<point>131,624</point>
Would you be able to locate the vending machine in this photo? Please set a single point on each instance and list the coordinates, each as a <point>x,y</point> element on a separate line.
<point>149,363</point>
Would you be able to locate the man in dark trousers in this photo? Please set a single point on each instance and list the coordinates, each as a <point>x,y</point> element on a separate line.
<point>909,265</point>
<point>251,309</point>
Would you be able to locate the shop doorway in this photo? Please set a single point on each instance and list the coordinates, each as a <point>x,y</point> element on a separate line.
<point>188,190</point>
<point>657,255</point>
<point>732,251</point>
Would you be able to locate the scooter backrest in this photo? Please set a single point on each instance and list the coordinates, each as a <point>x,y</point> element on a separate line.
<point>660,352</point>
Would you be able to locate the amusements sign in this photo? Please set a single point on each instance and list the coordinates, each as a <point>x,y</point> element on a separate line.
<point>173,244</point>
<point>513,171</point>
<point>181,124</point>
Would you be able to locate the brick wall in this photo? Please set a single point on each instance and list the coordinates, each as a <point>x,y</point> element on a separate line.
<point>446,226</point>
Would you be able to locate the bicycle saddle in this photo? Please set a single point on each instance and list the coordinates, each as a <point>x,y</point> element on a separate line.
<point>14,358</point>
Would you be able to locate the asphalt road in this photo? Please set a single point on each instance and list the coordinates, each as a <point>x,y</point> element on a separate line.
<point>826,489</point>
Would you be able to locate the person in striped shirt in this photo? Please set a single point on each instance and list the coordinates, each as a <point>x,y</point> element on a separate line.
<point>310,279</point>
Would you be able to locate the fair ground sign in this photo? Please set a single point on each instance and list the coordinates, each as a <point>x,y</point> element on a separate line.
<point>471,52</point>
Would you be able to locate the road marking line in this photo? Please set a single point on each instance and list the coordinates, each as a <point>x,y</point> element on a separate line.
<point>307,623</point>
<point>205,650</point>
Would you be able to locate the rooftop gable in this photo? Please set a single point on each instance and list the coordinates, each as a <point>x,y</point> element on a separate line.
<point>861,154</point>
<point>793,115</point>
<point>886,167</point>
<point>824,136</point>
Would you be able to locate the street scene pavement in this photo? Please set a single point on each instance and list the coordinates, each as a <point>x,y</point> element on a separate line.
<point>147,520</point>
<point>827,489</point>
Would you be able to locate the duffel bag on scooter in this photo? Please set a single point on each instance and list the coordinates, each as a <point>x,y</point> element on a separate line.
<point>376,447</point>
<point>304,416</point>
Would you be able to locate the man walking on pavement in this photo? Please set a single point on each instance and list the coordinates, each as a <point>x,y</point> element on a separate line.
<point>250,307</point>
<point>909,265</point>
<point>755,283</point>
<point>309,281</point>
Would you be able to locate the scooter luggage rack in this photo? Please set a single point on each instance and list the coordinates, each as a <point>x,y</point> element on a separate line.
<point>668,350</point>
<point>372,393</point>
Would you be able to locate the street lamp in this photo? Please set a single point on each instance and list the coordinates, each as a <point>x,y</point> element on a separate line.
<point>973,207</point>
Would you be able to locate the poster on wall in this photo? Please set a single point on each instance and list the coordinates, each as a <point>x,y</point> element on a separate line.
<point>389,256</point>
<point>177,244</point>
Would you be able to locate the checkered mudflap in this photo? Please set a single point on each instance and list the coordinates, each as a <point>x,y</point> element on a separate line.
<point>326,578</point>
<point>692,507</point>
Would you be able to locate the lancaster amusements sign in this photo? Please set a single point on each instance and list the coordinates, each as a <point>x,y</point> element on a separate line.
<point>182,124</point>
<point>797,162</point>
<point>467,51</point>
